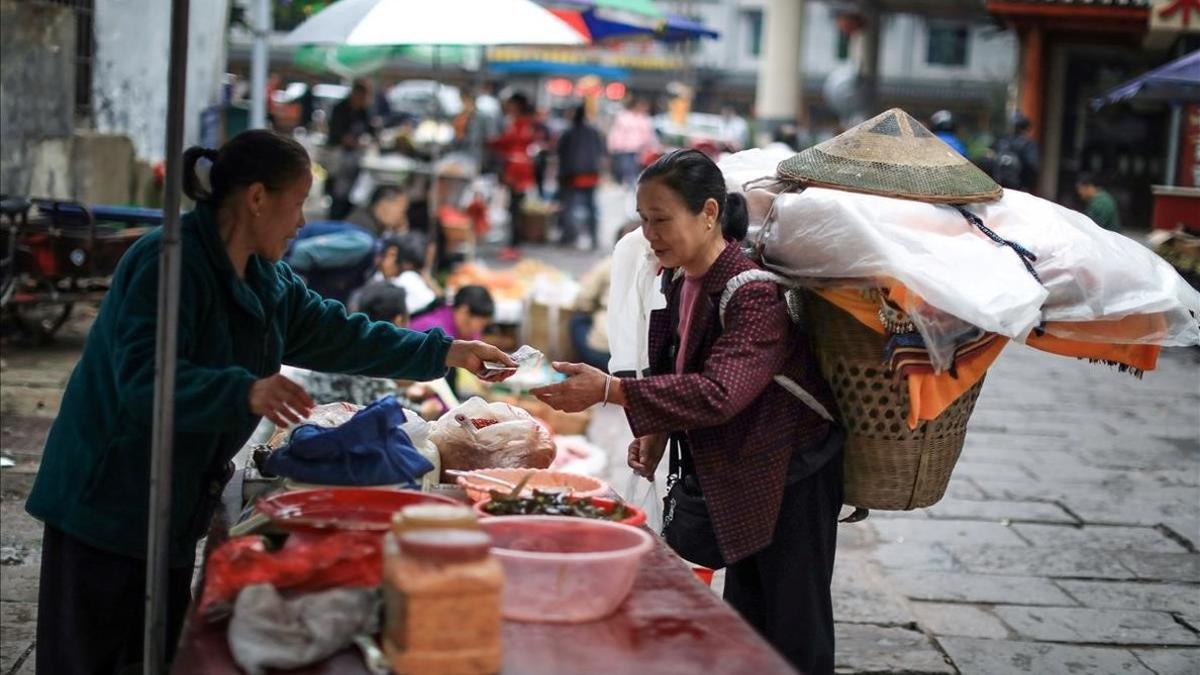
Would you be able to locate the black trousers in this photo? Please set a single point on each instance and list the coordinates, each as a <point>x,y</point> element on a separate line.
<point>516,198</point>
<point>784,589</point>
<point>573,198</point>
<point>91,610</point>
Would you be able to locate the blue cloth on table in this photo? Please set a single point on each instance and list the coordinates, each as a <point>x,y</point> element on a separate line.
<point>370,448</point>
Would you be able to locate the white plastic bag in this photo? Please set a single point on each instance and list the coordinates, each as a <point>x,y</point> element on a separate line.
<point>514,441</point>
<point>416,427</point>
<point>643,493</point>
<point>632,295</point>
<point>326,416</point>
<point>1088,275</point>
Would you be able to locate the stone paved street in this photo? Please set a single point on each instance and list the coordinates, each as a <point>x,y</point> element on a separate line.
<point>1067,542</point>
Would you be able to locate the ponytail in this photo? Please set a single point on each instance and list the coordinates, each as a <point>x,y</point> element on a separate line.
<point>196,176</point>
<point>735,220</point>
<point>255,156</point>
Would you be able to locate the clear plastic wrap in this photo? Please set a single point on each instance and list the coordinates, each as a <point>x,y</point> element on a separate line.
<point>482,435</point>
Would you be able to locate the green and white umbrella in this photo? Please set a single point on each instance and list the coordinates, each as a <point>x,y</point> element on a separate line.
<point>434,22</point>
<point>349,61</point>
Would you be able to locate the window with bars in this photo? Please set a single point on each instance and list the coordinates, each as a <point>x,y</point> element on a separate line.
<point>85,50</point>
<point>947,44</point>
<point>843,45</point>
<point>752,27</point>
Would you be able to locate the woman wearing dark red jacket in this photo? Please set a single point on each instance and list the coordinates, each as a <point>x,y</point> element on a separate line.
<point>512,147</point>
<point>762,464</point>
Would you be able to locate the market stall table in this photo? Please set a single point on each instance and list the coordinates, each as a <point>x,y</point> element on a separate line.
<point>670,623</point>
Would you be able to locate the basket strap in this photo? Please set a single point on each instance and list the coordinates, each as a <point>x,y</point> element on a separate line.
<point>790,385</point>
<point>794,388</point>
<point>748,277</point>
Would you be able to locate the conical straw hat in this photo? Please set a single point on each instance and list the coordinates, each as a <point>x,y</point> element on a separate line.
<point>892,155</point>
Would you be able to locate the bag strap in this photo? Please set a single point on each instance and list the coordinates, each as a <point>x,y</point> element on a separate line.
<point>748,277</point>
<point>789,385</point>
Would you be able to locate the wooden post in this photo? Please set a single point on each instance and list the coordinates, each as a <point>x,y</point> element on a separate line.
<point>1032,77</point>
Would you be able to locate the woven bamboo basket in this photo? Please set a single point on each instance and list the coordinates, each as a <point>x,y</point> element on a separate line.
<point>887,466</point>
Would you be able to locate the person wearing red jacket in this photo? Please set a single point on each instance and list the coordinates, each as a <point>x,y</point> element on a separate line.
<point>513,148</point>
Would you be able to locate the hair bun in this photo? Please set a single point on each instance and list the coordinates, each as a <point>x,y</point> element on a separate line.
<point>735,221</point>
<point>197,172</point>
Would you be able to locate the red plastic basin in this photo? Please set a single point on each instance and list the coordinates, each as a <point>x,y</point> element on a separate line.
<point>326,509</point>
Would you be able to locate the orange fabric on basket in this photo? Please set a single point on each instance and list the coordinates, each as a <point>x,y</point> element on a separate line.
<point>930,395</point>
<point>1141,357</point>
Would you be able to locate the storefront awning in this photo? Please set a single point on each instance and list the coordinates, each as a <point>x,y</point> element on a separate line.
<point>1175,82</point>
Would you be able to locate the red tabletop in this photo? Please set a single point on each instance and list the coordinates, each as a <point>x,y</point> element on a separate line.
<point>671,623</point>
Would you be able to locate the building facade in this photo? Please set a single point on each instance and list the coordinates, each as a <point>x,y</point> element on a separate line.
<point>965,64</point>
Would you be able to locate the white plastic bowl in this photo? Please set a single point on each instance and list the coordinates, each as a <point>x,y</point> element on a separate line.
<point>565,570</point>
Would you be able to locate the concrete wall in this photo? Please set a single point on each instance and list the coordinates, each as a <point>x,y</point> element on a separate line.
<point>132,54</point>
<point>992,54</point>
<point>37,86</point>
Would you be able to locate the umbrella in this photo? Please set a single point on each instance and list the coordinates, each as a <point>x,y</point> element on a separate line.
<point>680,29</point>
<point>1175,82</point>
<point>642,13</point>
<point>597,27</point>
<point>435,22</point>
<point>349,61</point>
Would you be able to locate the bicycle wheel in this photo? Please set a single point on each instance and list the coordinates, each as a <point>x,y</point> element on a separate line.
<point>38,307</point>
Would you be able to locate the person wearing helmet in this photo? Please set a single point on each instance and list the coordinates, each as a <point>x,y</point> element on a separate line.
<point>944,128</point>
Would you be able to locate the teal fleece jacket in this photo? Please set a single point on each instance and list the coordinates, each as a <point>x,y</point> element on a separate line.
<point>94,479</point>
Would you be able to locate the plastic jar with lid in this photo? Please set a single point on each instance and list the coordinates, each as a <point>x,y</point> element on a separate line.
<point>434,517</point>
<point>442,594</point>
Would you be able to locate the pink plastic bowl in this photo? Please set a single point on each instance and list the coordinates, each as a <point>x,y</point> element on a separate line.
<point>564,570</point>
<point>581,486</point>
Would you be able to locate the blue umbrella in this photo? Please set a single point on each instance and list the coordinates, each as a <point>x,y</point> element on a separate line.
<point>1175,82</point>
<point>680,29</point>
<point>599,27</point>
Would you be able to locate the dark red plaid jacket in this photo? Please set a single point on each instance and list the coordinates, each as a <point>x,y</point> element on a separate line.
<point>741,426</point>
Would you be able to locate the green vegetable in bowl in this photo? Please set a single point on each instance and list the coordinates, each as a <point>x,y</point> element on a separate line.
<point>548,503</point>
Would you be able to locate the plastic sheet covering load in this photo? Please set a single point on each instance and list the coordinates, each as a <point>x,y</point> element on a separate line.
<point>1082,282</point>
<point>1087,277</point>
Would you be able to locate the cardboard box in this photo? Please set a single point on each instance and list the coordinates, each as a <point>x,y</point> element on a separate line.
<point>548,329</point>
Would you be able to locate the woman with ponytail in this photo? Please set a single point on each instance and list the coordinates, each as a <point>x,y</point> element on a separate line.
<point>755,480</point>
<point>243,313</point>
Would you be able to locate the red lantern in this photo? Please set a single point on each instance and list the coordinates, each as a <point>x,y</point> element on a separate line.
<point>850,23</point>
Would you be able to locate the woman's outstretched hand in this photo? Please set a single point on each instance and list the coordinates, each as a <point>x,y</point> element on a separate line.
<point>280,400</point>
<point>645,453</point>
<point>471,354</point>
<point>583,388</point>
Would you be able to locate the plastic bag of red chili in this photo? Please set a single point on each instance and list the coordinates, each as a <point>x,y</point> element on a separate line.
<point>482,435</point>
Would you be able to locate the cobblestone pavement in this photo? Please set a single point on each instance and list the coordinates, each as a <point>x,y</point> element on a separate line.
<point>1067,542</point>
